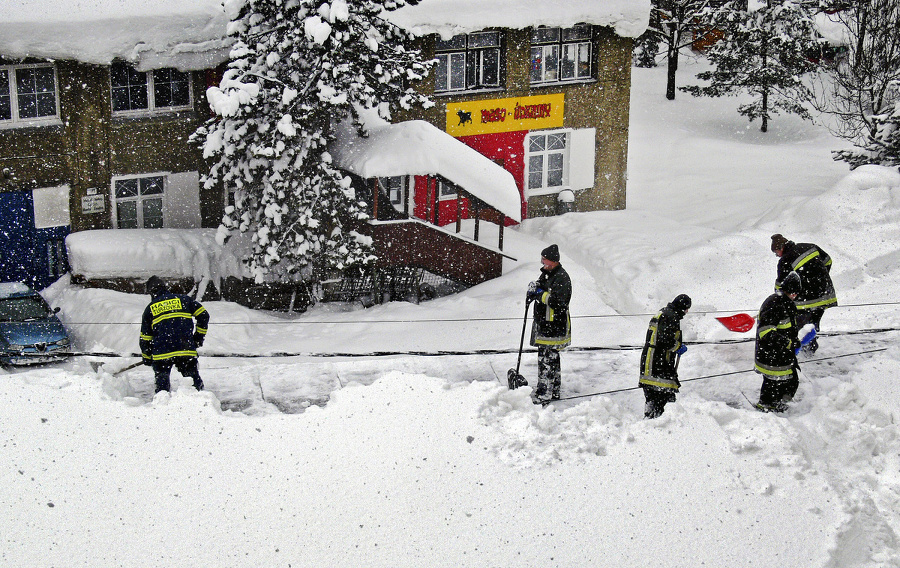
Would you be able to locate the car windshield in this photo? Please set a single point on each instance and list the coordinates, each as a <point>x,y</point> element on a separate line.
<point>23,309</point>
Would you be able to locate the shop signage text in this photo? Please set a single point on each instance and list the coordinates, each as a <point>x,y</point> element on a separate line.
<point>505,115</point>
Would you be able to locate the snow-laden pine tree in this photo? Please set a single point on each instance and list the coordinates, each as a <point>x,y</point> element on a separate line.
<point>298,68</point>
<point>764,51</point>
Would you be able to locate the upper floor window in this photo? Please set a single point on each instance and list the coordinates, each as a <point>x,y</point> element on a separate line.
<point>468,61</point>
<point>27,95</point>
<point>140,92</point>
<point>139,202</point>
<point>561,54</point>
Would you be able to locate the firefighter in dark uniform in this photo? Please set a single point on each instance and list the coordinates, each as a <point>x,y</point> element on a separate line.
<point>551,330</point>
<point>813,265</point>
<point>663,346</point>
<point>168,335</point>
<point>776,345</point>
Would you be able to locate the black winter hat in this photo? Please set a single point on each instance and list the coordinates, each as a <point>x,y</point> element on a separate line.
<point>791,284</point>
<point>551,253</point>
<point>155,285</point>
<point>778,242</point>
<point>682,302</point>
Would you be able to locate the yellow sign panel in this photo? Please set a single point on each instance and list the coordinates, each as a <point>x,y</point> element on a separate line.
<point>505,115</point>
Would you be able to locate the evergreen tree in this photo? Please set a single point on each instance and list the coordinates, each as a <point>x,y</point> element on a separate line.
<point>299,67</point>
<point>763,52</point>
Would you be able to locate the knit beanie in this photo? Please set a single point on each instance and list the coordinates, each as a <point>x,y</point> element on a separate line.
<point>551,253</point>
<point>778,242</point>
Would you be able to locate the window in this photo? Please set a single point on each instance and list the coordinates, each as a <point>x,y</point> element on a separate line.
<point>139,92</point>
<point>27,95</point>
<point>561,54</point>
<point>56,258</point>
<point>139,202</point>
<point>546,154</point>
<point>446,189</point>
<point>470,61</point>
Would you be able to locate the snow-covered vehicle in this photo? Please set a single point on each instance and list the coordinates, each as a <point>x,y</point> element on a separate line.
<point>30,331</point>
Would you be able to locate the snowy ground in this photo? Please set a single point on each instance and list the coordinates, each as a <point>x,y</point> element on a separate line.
<point>413,460</point>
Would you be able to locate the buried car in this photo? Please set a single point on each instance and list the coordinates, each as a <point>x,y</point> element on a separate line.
<point>30,332</point>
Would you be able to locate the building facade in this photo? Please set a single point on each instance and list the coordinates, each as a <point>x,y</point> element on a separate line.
<point>87,145</point>
<point>548,104</point>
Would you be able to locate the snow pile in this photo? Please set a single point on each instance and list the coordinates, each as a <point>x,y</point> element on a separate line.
<point>167,253</point>
<point>629,18</point>
<point>185,34</point>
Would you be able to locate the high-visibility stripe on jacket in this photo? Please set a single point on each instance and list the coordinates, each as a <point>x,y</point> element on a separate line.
<point>552,325</point>
<point>776,337</point>
<point>658,356</point>
<point>167,326</point>
<point>813,265</point>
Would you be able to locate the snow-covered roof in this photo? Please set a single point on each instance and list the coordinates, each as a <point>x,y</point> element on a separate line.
<point>417,147</point>
<point>191,34</point>
<point>185,34</point>
<point>629,18</point>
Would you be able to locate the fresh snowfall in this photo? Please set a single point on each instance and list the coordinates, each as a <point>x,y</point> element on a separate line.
<point>386,437</point>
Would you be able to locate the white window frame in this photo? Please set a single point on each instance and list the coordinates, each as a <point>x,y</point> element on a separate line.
<point>446,190</point>
<point>152,109</point>
<point>15,121</point>
<point>115,201</point>
<point>471,54</point>
<point>544,189</point>
<point>560,46</point>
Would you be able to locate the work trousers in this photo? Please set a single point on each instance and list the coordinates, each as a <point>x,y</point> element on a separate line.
<point>187,366</point>
<point>549,374</point>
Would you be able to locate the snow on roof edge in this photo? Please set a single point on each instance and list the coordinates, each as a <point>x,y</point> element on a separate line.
<point>417,147</point>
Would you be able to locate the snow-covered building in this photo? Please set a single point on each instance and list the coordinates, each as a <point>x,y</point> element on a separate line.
<point>98,101</point>
<point>541,87</point>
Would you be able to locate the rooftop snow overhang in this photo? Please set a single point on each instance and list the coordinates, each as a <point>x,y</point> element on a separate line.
<point>417,147</point>
<point>184,34</point>
<point>628,18</point>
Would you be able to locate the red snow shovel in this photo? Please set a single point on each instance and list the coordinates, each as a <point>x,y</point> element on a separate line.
<point>738,322</point>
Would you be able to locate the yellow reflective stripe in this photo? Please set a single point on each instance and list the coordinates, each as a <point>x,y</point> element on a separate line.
<point>201,330</point>
<point>145,356</point>
<point>763,331</point>
<point>774,371</point>
<point>199,311</point>
<point>657,382</point>
<point>564,341</point>
<point>544,297</point>
<point>170,316</point>
<point>804,259</point>
<point>817,303</point>
<point>146,337</point>
<point>161,356</point>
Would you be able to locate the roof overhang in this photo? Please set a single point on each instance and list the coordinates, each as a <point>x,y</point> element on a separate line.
<point>417,147</point>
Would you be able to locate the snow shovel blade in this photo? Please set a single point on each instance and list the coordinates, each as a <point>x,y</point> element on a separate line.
<point>738,322</point>
<point>514,380</point>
